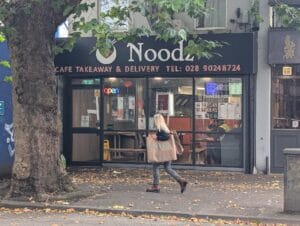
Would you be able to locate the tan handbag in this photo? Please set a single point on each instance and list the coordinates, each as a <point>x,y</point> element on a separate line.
<point>160,151</point>
<point>178,145</point>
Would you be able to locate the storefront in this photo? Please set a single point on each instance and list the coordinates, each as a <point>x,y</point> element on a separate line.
<point>285,63</point>
<point>109,102</point>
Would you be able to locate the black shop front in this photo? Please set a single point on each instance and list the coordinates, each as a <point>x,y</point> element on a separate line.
<point>108,102</point>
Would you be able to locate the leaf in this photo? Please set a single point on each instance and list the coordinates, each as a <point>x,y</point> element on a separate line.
<point>119,207</point>
<point>47,210</point>
<point>176,5</point>
<point>183,34</point>
<point>68,9</point>
<point>4,63</point>
<point>2,38</point>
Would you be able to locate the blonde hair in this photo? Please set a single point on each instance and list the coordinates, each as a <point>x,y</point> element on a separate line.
<point>160,123</point>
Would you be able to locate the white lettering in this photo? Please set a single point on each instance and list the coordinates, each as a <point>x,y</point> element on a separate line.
<point>154,55</point>
<point>137,51</point>
<point>167,53</point>
<point>180,52</point>
<point>163,55</point>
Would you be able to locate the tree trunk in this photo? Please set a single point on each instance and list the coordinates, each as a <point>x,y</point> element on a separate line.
<point>37,168</point>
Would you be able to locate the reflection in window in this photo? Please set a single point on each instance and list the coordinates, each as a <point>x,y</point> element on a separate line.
<point>171,96</point>
<point>216,18</point>
<point>286,103</point>
<point>85,106</point>
<point>125,146</point>
<point>89,81</point>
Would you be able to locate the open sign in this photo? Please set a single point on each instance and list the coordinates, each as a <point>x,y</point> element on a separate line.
<point>108,91</point>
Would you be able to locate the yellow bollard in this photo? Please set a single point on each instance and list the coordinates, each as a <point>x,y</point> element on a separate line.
<point>106,153</point>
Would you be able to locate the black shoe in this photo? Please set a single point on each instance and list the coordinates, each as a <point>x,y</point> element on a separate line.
<point>153,189</point>
<point>183,185</point>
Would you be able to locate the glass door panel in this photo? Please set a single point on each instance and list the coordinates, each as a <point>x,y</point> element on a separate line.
<point>85,108</point>
<point>85,124</point>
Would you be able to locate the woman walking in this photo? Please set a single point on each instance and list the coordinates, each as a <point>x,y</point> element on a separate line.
<point>163,133</point>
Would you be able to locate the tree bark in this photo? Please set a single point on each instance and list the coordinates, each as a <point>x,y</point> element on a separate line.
<point>37,168</point>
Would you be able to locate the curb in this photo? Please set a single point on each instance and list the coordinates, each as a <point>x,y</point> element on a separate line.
<point>284,220</point>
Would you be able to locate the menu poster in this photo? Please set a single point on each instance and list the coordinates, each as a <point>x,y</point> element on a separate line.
<point>235,88</point>
<point>237,111</point>
<point>85,121</point>
<point>295,123</point>
<point>142,123</point>
<point>131,102</point>
<point>223,111</point>
<point>229,111</point>
<point>200,110</point>
<point>120,110</point>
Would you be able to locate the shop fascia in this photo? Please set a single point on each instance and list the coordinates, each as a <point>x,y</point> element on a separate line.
<point>151,55</point>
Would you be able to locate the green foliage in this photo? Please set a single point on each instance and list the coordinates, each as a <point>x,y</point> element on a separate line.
<point>254,12</point>
<point>288,15</point>
<point>203,48</point>
<point>81,8</point>
<point>159,14</point>
<point>2,37</point>
<point>5,63</point>
<point>8,79</point>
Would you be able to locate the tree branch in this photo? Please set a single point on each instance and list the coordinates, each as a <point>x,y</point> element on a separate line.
<point>4,3</point>
<point>60,17</point>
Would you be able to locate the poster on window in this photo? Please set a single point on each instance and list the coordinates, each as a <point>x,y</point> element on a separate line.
<point>229,111</point>
<point>120,109</point>
<point>85,121</point>
<point>223,111</point>
<point>131,102</point>
<point>162,102</point>
<point>200,110</point>
<point>235,111</point>
<point>142,123</point>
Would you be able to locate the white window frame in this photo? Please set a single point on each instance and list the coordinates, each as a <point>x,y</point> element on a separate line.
<point>196,27</point>
<point>120,28</point>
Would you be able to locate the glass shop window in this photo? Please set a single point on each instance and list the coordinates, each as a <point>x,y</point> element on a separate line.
<point>124,104</point>
<point>286,97</point>
<point>172,97</point>
<point>215,18</point>
<point>218,121</point>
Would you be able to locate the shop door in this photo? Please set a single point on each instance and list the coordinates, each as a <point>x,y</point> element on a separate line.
<point>285,131</point>
<point>85,120</point>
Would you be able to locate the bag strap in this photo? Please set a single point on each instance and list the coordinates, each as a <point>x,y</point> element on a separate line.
<point>168,120</point>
